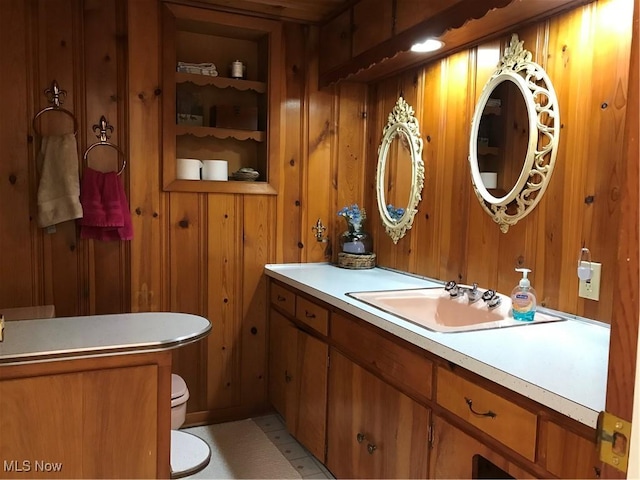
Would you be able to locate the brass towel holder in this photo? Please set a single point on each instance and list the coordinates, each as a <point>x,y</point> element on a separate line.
<point>56,98</point>
<point>103,133</point>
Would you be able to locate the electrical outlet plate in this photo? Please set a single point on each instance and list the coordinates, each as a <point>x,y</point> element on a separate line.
<point>590,289</point>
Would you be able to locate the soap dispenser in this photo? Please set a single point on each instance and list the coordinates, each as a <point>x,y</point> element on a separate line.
<point>523,298</point>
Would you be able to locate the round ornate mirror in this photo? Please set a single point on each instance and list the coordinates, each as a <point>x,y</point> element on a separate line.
<point>514,137</point>
<point>400,172</point>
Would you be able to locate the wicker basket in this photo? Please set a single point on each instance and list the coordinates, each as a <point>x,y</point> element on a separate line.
<point>356,262</point>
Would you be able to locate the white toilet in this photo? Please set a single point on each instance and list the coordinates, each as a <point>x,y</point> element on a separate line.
<point>189,454</point>
<point>179,397</point>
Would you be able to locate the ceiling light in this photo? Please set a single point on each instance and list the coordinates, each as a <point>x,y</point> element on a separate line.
<point>429,45</point>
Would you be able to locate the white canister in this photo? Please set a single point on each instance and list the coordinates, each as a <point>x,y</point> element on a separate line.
<point>188,168</point>
<point>215,170</point>
<point>237,69</point>
<point>489,179</point>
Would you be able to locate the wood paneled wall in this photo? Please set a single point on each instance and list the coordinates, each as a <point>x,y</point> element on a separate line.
<point>191,252</point>
<point>80,45</point>
<point>211,248</point>
<point>204,253</point>
<point>586,54</point>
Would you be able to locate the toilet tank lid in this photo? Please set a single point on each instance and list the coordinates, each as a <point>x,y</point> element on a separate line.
<point>178,386</point>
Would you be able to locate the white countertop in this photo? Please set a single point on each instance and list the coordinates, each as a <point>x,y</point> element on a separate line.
<point>562,365</point>
<point>61,338</point>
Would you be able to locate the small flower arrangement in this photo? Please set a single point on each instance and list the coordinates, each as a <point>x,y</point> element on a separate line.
<point>355,241</point>
<point>395,213</point>
<point>353,214</point>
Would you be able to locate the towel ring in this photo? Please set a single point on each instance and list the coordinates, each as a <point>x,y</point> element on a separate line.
<point>102,128</point>
<point>108,144</point>
<point>56,99</point>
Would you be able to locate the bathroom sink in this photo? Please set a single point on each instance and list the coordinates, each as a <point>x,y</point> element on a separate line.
<point>434,309</point>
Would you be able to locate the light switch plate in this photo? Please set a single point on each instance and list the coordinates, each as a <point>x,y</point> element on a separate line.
<point>590,289</point>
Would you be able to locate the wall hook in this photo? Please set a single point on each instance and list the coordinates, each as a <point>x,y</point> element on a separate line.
<point>318,230</point>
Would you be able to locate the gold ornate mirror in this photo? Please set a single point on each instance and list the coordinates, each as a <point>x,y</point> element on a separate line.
<point>400,171</point>
<point>514,137</point>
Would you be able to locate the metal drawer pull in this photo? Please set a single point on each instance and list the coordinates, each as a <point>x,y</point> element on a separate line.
<point>360,437</point>
<point>287,376</point>
<point>486,414</point>
<point>281,298</point>
<point>371,448</point>
<point>309,315</point>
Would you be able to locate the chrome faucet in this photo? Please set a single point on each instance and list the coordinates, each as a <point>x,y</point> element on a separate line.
<point>490,297</point>
<point>455,290</point>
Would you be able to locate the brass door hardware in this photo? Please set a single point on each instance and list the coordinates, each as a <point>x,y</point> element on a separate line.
<point>614,435</point>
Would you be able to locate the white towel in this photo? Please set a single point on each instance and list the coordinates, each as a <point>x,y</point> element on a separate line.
<point>198,68</point>
<point>59,187</point>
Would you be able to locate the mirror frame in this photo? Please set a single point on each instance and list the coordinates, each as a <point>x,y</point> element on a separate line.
<point>401,121</point>
<point>516,66</point>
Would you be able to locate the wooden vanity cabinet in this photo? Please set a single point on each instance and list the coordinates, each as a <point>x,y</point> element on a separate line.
<point>455,454</point>
<point>374,430</point>
<point>389,409</point>
<point>298,364</point>
<point>390,359</point>
<point>378,422</point>
<point>566,453</point>
<point>475,413</point>
<point>283,349</point>
<point>494,415</point>
<point>93,417</point>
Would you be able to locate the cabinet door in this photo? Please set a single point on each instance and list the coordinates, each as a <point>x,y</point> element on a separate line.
<point>34,427</point>
<point>79,425</point>
<point>569,455</point>
<point>374,431</point>
<point>335,38</point>
<point>298,382</point>
<point>372,24</point>
<point>309,412</point>
<point>457,455</point>
<point>283,337</point>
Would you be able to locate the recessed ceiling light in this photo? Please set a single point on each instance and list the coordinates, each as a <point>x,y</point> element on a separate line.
<point>429,45</point>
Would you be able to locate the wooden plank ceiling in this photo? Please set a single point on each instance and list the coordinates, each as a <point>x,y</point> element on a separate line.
<point>305,11</point>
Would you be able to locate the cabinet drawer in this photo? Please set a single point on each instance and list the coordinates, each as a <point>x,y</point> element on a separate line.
<point>283,298</point>
<point>395,362</point>
<point>315,316</point>
<point>512,425</point>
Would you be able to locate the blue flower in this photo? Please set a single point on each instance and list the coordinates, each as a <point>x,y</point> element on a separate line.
<point>353,214</point>
<point>395,213</point>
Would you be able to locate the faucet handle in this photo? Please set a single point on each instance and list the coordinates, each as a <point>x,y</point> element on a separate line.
<point>491,298</point>
<point>452,288</point>
<point>494,302</point>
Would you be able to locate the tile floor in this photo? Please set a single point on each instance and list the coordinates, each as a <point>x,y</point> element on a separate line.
<point>305,463</point>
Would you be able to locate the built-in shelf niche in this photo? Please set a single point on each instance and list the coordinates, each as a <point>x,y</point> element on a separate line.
<point>197,35</point>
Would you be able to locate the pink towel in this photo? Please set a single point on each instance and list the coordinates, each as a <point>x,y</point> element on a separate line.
<point>105,207</point>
